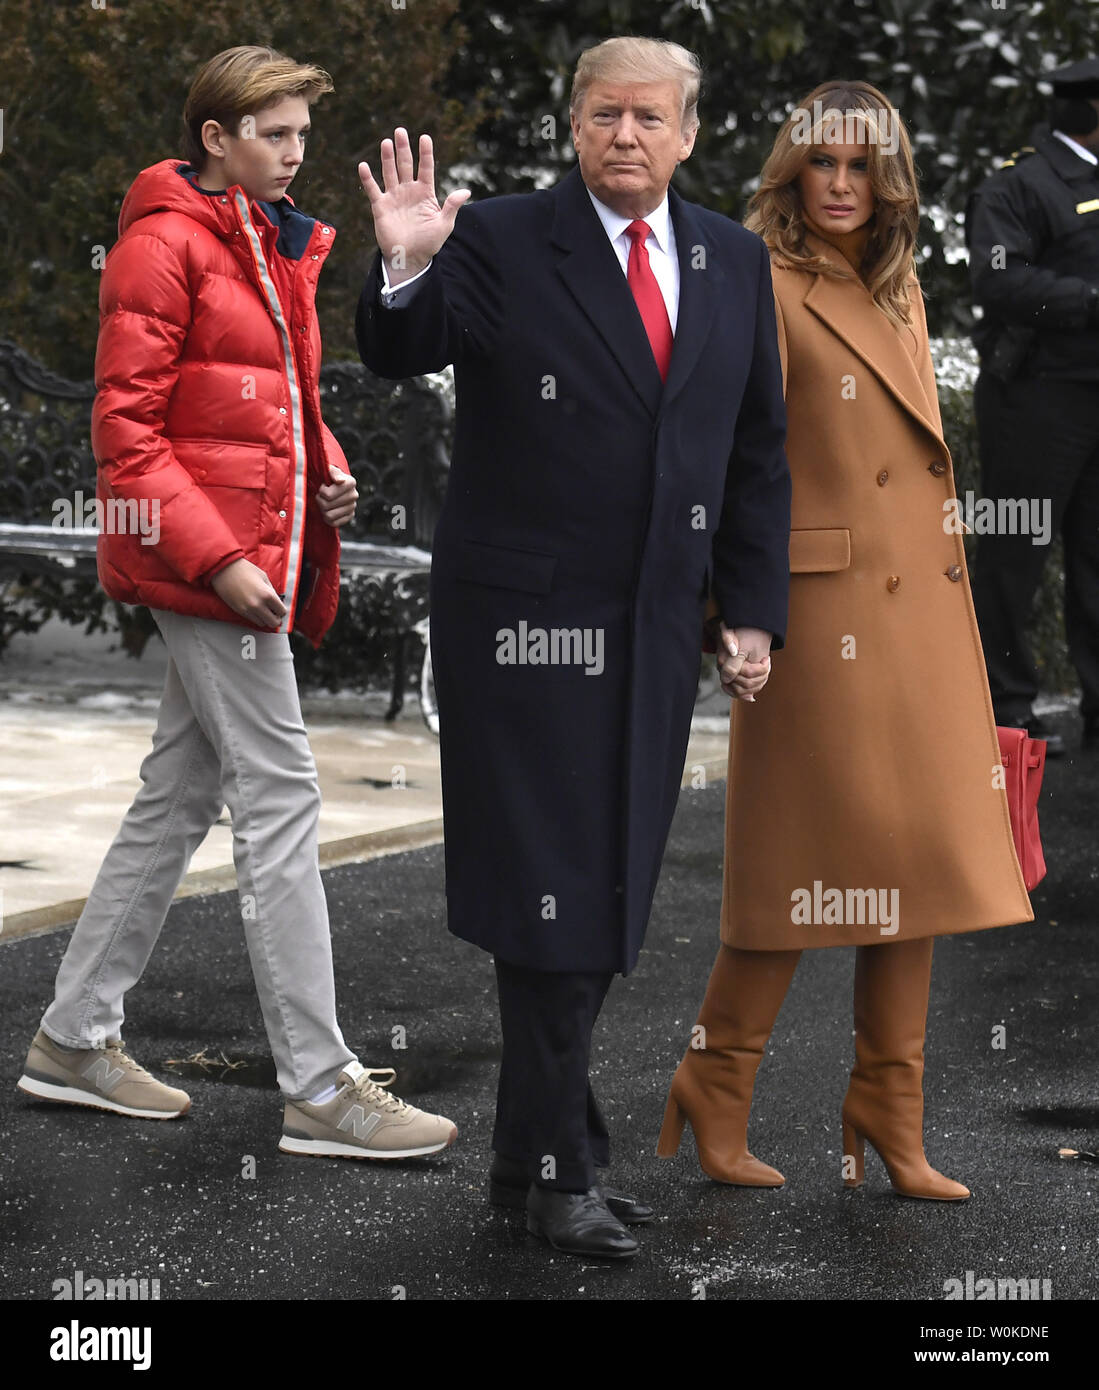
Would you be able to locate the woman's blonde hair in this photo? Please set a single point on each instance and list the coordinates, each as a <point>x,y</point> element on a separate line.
<point>244,81</point>
<point>776,212</point>
<point>629,59</point>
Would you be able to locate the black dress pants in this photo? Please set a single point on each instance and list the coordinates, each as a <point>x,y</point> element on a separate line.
<point>546,1114</point>
<point>1039,438</point>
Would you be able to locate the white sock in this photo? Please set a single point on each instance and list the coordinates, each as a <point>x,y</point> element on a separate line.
<point>326,1094</point>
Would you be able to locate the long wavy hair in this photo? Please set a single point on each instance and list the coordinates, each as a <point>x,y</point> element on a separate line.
<point>776,212</point>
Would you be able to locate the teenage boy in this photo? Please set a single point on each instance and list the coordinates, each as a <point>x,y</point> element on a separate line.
<point>208,418</point>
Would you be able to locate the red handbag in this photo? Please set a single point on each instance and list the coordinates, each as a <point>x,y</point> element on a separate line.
<point>1024,761</point>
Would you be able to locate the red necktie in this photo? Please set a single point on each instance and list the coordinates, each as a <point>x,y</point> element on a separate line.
<point>650,302</point>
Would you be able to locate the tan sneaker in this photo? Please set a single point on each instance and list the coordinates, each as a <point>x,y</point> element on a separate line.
<point>362,1120</point>
<point>104,1078</point>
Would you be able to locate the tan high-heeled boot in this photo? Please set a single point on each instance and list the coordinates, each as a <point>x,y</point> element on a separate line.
<point>884,1102</point>
<point>712,1086</point>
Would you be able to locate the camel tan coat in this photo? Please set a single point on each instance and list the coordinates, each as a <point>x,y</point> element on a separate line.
<point>869,761</point>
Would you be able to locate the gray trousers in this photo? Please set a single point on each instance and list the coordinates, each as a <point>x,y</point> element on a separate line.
<point>230,733</point>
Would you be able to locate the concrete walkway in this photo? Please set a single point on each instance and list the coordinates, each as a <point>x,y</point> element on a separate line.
<point>76,720</point>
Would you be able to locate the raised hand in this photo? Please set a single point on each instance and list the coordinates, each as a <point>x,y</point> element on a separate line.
<point>409,224</point>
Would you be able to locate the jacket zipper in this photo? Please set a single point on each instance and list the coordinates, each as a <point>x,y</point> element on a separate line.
<point>297,428</point>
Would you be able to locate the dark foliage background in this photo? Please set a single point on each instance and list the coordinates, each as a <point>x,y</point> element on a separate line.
<point>91,95</point>
<point>92,91</point>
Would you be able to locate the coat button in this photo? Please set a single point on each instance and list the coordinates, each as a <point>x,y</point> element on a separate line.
<point>202,472</point>
<point>282,410</point>
<point>954,573</point>
<point>316,257</point>
<point>937,467</point>
<point>224,200</point>
<point>326,230</point>
<point>893,583</point>
<point>282,514</point>
<point>883,477</point>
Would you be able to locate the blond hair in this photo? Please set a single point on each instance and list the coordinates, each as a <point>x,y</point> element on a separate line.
<point>630,59</point>
<point>244,81</point>
<point>776,212</point>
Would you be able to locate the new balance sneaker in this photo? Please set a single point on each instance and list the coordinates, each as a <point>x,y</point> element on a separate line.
<point>362,1120</point>
<point>104,1078</point>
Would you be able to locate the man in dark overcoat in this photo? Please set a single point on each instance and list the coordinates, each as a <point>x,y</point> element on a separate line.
<point>618,456</point>
<point>1033,235</point>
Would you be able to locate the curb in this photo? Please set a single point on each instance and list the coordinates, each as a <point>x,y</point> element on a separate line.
<point>354,849</point>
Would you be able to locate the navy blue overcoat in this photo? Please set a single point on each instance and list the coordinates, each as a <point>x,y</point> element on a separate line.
<point>590,509</point>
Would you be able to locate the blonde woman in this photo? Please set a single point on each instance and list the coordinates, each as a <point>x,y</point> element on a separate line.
<point>863,803</point>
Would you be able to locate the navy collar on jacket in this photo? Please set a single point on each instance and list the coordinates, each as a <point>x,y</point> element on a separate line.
<point>295,227</point>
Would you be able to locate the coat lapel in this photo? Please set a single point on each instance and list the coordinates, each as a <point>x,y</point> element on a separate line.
<point>700,281</point>
<point>594,277</point>
<point>849,311</point>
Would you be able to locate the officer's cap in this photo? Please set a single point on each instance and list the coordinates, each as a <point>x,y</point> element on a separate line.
<point>1077,80</point>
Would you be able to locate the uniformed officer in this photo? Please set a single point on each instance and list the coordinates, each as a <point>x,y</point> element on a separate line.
<point>1033,236</point>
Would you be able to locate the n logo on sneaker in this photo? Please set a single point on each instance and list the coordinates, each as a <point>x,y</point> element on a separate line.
<point>102,1075</point>
<point>355,1118</point>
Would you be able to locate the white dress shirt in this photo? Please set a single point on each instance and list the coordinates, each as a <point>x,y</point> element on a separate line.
<point>660,244</point>
<point>1075,148</point>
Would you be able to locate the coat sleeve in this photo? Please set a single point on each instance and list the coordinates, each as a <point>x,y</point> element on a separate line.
<point>145,308</point>
<point>1007,230</point>
<point>455,314</point>
<point>751,549</point>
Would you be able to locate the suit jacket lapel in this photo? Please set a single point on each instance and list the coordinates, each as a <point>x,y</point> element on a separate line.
<point>700,279</point>
<point>849,311</point>
<point>590,270</point>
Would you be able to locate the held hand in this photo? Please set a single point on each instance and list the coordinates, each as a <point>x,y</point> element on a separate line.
<point>336,500</point>
<point>744,661</point>
<point>248,591</point>
<point>409,224</point>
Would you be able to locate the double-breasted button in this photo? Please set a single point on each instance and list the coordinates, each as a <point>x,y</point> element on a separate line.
<point>883,477</point>
<point>893,583</point>
<point>937,467</point>
<point>954,573</point>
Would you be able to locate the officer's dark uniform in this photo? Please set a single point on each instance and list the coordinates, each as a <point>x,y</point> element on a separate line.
<point>1033,236</point>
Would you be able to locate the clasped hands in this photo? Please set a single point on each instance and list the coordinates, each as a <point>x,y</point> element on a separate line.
<point>743,661</point>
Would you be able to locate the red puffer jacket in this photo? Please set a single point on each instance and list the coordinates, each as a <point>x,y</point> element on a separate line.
<point>207,421</point>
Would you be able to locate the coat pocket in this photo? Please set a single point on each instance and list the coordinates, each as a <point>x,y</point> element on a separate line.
<point>217,463</point>
<point>817,551</point>
<point>503,568</point>
<point>233,477</point>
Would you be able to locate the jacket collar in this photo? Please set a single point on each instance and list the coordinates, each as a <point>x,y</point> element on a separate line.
<point>591,271</point>
<point>1067,164</point>
<point>293,226</point>
<point>848,309</point>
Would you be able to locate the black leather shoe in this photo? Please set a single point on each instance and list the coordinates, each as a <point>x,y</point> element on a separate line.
<point>508,1185</point>
<point>578,1223</point>
<point>1055,744</point>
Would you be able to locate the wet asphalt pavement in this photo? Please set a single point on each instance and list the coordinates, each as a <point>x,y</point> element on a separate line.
<point>113,1197</point>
